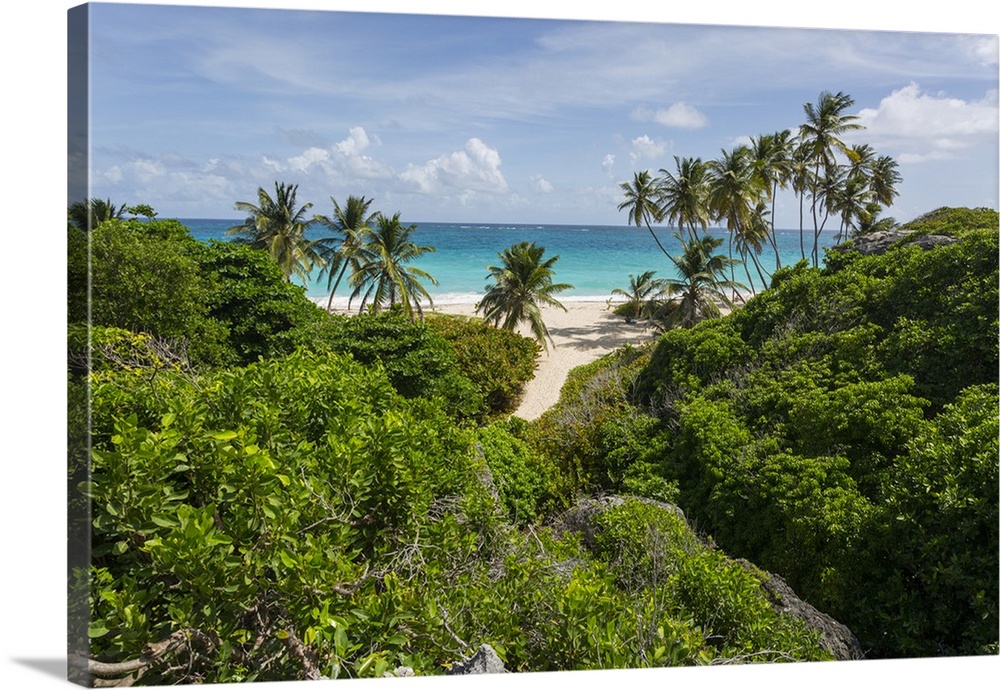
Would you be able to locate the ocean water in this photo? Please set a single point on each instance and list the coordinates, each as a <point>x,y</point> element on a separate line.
<point>594,259</point>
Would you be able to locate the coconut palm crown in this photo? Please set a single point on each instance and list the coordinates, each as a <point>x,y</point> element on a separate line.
<point>522,284</point>
<point>277,225</point>
<point>384,279</point>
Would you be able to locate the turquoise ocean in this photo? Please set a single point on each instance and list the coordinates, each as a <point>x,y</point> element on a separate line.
<point>594,259</point>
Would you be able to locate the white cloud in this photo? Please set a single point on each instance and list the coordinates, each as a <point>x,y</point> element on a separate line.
<point>354,144</point>
<point>679,115</point>
<point>645,147</point>
<point>309,158</point>
<point>474,169</point>
<point>921,126</point>
<point>541,185</point>
<point>608,164</point>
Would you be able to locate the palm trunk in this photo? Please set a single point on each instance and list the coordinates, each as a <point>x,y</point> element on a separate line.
<point>657,239</point>
<point>774,236</point>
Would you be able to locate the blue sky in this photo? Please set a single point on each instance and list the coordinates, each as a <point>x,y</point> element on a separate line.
<point>504,119</point>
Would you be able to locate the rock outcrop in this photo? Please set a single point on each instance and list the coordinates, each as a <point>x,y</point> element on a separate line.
<point>485,660</point>
<point>880,242</point>
<point>835,637</point>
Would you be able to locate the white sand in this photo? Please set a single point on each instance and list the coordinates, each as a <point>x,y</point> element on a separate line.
<point>582,333</point>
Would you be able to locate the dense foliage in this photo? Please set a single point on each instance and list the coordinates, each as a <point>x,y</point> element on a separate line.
<point>499,362</point>
<point>298,518</point>
<point>841,430</point>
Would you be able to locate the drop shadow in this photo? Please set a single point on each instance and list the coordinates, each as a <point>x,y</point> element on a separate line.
<point>50,667</point>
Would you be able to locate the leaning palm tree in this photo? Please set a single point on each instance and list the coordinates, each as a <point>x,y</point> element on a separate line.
<point>883,178</point>
<point>278,226</point>
<point>341,251</point>
<point>683,196</point>
<point>522,284</point>
<point>639,295</point>
<point>642,203</point>
<point>701,287</point>
<point>383,278</point>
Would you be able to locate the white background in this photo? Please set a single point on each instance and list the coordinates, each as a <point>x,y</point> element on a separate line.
<point>32,323</point>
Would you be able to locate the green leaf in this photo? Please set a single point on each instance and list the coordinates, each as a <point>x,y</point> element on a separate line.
<point>224,435</point>
<point>161,521</point>
<point>96,630</point>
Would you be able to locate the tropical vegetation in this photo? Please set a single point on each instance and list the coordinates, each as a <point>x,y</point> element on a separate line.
<point>848,185</point>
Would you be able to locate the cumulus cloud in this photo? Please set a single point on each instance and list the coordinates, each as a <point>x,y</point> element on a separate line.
<point>679,115</point>
<point>924,126</point>
<point>541,185</point>
<point>344,160</point>
<point>476,168</point>
<point>355,143</point>
<point>645,147</point>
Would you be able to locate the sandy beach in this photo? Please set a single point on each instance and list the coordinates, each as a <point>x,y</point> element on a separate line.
<point>582,333</point>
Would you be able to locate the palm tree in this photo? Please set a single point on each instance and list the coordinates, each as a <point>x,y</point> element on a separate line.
<point>820,136</point>
<point>639,292</point>
<point>735,194</point>
<point>701,286</point>
<point>522,284</point>
<point>87,215</point>
<point>342,250</point>
<point>801,182</point>
<point>642,203</point>
<point>383,279</point>
<point>278,226</point>
<point>774,166</point>
<point>682,197</point>
<point>884,176</point>
<point>872,221</point>
<point>851,201</point>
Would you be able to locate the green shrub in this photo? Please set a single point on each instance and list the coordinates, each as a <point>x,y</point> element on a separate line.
<point>243,504</point>
<point>525,482</point>
<point>497,361</point>
<point>417,361</point>
<point>265,315</point>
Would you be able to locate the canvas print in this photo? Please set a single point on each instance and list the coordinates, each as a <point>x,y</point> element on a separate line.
<point>414,345</point>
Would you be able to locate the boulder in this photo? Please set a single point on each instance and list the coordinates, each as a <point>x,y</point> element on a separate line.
<point>880,242</point>
<point>835,637</point>
<point>485,660</point>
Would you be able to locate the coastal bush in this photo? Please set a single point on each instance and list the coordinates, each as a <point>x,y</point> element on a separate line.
<point>241,505</point>
<point>264,314</point>
<point>593,434</point>
<point>802,424</point>
<point>417,361</point>
<point>145,278</point>
<point>953,221</point>
<point>499,362</point>
<point>656,557</point>
<point>525,482</point>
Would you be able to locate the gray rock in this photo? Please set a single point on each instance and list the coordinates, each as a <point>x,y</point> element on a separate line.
<point>582,516</point>
<point>485,660</point>
<point>835,637</point>
<point>880,242</point>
